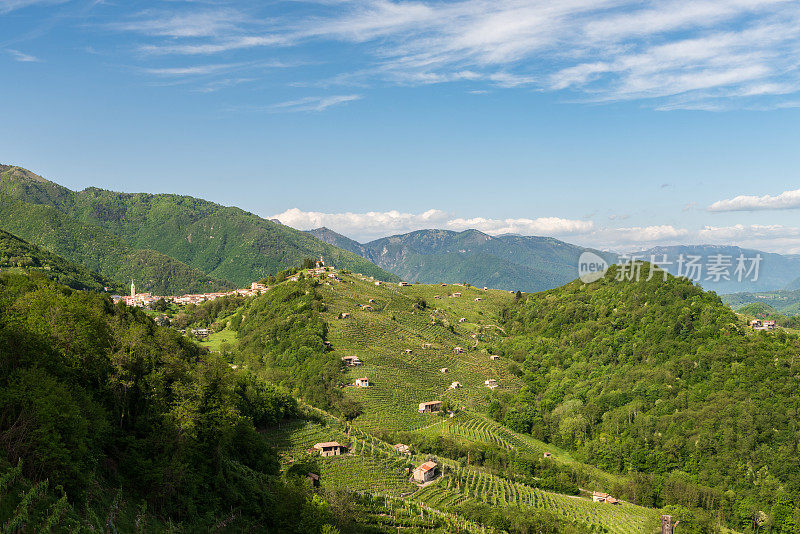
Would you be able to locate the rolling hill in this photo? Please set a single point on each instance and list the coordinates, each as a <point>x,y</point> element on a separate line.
<point>653,391</point>
<point>19,255</point>
<point>180,242</point>
<point>511,262</point>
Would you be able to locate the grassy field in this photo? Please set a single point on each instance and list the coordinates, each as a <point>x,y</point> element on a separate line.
<point>381,337</point>
<point>215,340</point>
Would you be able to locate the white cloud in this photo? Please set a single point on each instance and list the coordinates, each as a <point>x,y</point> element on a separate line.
<point>197,70</point>
<point>313,103</point>
<point>783,201</point>
<point>21,56</point>
<point>541,226</point>
<point>363,226</point>
<point>367,226</point>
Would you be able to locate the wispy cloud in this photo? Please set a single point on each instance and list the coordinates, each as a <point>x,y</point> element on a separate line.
<point>7,6</point>
<point>681,54</point>
<point>783,201</point>
<point>313,103</point>
<point>370,225</point>
<point>23,57</point>
<point>196,70</point>
<point>378,224</point>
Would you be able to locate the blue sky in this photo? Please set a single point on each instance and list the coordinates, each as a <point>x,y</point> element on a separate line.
<point>613,123</point>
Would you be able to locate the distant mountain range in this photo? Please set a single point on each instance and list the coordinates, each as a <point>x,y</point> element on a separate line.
<point>775,271</point>
<point>167,243</point>
<point>538,263</point>
<point>511,262</point>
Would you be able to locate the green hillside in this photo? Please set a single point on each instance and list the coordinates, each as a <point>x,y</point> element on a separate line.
<point>526,263</point>
<point>17,254</point>
<point>101,251</point>
<point>491,469</point>
<point>661,379</point>
<point>653,391</point>
<point>225,243</point>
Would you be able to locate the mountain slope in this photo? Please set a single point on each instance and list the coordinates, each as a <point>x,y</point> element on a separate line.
<point>526,263</point>
<point>101,251</point>
<point>17,254</point>
<point>223,242</point>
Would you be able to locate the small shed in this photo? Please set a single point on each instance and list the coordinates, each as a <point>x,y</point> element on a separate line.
<point>458,350</point>
<point>330,448</point>
<point>345,315</point>
<point>443,370</point>
<point>408,351</point>
<point>462,319</point>
<point>313,478</point>
<point>494,357</point>
<point>430,406</point>
<point>455,385</point>
<point>425,473</point>
<point>362,382</point>
<point>491,383</point>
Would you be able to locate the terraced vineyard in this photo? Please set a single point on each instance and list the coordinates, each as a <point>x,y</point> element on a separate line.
<point>380,337</point>
<point>403,345</point>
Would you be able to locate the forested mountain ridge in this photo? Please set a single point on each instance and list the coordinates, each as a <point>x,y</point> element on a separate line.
<point>225,243</point>
<point>17,254</point>
<point>526,263</point>
<point>659,378</point>
<point>101,251</point>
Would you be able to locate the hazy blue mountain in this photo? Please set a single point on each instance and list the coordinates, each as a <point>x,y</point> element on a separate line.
<point>775,271</point>
<point>526,263</point>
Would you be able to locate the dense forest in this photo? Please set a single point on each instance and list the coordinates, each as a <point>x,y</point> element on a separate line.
<point>658,379</point>
<point>108,422</point>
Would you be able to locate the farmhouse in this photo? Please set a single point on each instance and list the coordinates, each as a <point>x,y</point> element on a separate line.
<point>351,361</point>
<point>426,472</point>
<point>598,496</point>
<point>429,407</point>
<point>458,350</point>
<point>362,382</point>
<point>402,449</point>
<point>330,448</point>
<point>491,383</point>
<point>455,385</point>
